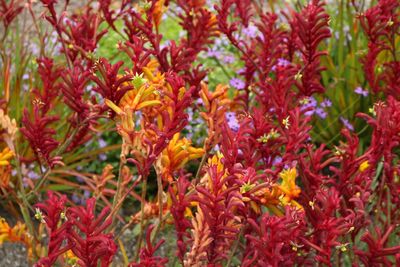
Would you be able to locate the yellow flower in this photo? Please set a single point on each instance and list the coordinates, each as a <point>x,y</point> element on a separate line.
<point>70,258</point>
<point>288,185</point>
<point>289,188</point>
<point>216,160</point>
<point>143,95</point>
<point>136,99</point>
<point>269,197</point>
<point>363,166</point>
<point>278,195</point>
<point>342,247</point>
<point>5,155</point>
<point>272,135</point>
<point>298,76</point>
<point>39,215</point>
<point>286,122</point>
<point>16,234</point>
<point>390,22</point>
<point>176,155</point>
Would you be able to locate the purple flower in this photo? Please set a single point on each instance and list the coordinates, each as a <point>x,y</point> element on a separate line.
<point>103,157</point>
<point>229,59</point>
<point>190,114</point>
<point>33,175</point>
<point>79,179</point>
<point>326,103</point>
<point>230,114</point>
<point>216,148</point>
<point>80,200</point>
<point>241,71</point>
<point>346,123</point>
<point>309,113</point>
<point>232,121</point>
<point>277,160</point>
<point>214,53</point>
<point>165,44</point>
<point>222,42</point>
<point>283,62</point>
<point>360,91</point>
<point>237,83</point>
<point>76,199</point>
<point>102,143</point>
<point>89,88</point>
<point>280,63</point>
<point>250,31</point>
<point>321,113</point>
<point>310,104</point>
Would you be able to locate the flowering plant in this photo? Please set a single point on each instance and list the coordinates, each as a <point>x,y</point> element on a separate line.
<point>201,133</point>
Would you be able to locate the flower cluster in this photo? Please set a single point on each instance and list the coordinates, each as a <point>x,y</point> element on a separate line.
<point>77,229</point>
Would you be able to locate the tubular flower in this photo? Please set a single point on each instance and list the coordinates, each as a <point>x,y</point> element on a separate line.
<point>172,98</point>
<point>271,199</point>
<point>144,95</point>
<point>289,188</point>
<point>216,161</point>
<point>9,125</point>
<point>176,155</point>
<point>5,155</point>
<point>158,11</point>
<point>126,129</point>
<point>16,234</point>
<point>151,211</point>
<point>220,205</point>
<point>5,174</point>
<point>201,240</point>
<point>215,107</point>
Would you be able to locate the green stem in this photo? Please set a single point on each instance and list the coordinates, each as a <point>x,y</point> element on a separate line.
<point>222,68</point>
<point>203,160</point>
<point>24,204</point>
